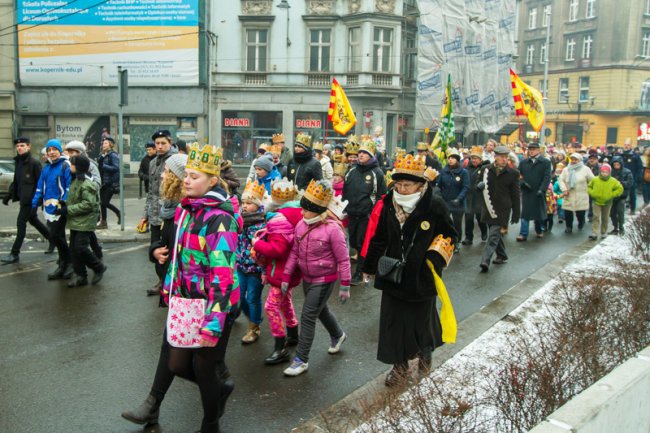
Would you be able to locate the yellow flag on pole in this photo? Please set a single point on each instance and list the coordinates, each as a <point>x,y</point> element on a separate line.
<point>340,112</point>
<point>528,101</point>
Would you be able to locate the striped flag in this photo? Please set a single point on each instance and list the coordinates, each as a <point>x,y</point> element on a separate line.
<point>446,134</point>
<point>340,112</point>
<point>528,101</point>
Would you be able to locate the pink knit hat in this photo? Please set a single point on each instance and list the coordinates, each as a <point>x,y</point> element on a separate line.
<point>606,167</point>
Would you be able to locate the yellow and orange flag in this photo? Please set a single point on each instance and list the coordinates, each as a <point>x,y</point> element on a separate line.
<point>528,101</point>
<point>340,112</point>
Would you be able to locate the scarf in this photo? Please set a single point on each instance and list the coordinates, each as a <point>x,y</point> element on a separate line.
<point>168,209</point>
<point>573,172</point>
<point>252,218</point>
<point>301,158</point>
<point>314,220</point>
<point>405,204</point>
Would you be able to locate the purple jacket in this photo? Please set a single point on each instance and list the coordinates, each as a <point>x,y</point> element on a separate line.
<point>320,252</point>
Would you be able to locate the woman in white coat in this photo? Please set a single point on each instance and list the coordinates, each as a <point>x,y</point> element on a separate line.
<point>574,181</point>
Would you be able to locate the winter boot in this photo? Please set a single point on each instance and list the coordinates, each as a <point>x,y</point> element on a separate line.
<point>397,375</point>
<point>227,387</point>
<point>292,336</point>
<point>252,335</point>
<point>280,353</point>
<point>103,225</point>
<point>58,272</point>
<point>68,271</point>
<point>146,413</point>
<point>99,275</point>
<point>209,427</point>
<point>357,278</point>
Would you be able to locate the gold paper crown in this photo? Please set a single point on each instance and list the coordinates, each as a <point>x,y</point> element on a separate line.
<point>399,151</point>
<point>319,192</point>
<point>476,151</point>
<point>368,145</point>
<point>253,191</point>
<point>353,139</point>
<point>340,168</point>
<point>264,146</point>
<point>283,190</point>
<point>206,159</point>
<point>388,178</point>
<point>452,151</point>
<point>277,138</point>
<point>304,139</point>
<point>422,146</point>
<point>366,137</point>
<point>442,246</point>
<point>409,164</point>
<point>318,145</point>
<point>275,149</point>
<point>351,148</point>
<point>337,206</point>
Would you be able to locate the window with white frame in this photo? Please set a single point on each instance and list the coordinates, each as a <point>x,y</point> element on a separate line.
<point>256,49</point>
<point>587,43</point>
<point>546,15</point>
<point>645,44</point>
<point>583,93</point>
<point>563,96</point>
<point>320,43</point>
<point>573,9</point>
<point>382,49</point>
<point>570,49</point>
<point>354,49</point>
<point>590,12</point>
<point>532,18</point>
<point>542,53</point>
<point>530,54</point>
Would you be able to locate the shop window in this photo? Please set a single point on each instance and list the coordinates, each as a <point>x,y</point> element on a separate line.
<point>316,125</point>
<point>244,131</point>
<point>612,135</point>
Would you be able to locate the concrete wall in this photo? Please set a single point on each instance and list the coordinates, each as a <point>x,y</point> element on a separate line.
<point>619,402</point>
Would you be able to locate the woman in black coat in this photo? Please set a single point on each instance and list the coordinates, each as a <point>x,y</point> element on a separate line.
<point>413,223</point>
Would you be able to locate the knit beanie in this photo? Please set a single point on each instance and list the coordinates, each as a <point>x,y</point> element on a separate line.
<point>76,145</point>
<point>176,164</point>
<point>54,143</point>
<point>81,164</point>
<point>606,168</point>
<point>265,163</point>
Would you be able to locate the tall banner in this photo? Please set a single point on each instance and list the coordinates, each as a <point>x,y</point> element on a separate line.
<point>528,101</point>
<point>340,111</point>
<point>476,52</point>
<point>81,43</point>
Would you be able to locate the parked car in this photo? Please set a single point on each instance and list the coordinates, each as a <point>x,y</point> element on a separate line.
<point>6,175</point>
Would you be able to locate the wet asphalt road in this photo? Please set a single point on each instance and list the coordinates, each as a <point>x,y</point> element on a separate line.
<point>71,360</point>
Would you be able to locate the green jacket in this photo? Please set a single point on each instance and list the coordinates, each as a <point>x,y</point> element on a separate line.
<point>602,191</point>
<point>83,205</point>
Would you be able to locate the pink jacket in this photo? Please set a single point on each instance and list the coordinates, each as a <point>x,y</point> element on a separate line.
<point>320,252</point>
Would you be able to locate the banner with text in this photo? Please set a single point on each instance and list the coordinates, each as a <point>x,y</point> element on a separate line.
<point>82,43</point>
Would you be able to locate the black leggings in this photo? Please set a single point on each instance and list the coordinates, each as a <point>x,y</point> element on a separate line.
<point>568,217</point>
<point>105,194</point>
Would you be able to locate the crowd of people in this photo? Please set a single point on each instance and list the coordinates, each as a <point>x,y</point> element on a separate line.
<point>320,215</point>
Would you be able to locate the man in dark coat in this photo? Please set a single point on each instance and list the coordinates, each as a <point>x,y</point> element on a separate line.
<point>535,177</point>
<point>364,186</point>
<point>454,187</point>
<point>474,197</point>
<point>632,161</point>
<point>303,167</point>
<point>625,176</point>
<point>143,171</point>
<point>26,174</point>
<point>501,197</point>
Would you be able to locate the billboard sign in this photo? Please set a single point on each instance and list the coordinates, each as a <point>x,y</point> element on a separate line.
<point>82,43</point>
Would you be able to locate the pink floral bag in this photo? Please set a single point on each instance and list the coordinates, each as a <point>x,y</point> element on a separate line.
<point>185,315</point>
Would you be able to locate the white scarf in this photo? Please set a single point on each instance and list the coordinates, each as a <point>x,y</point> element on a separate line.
<point>313,220</point>
<point>407,201</point>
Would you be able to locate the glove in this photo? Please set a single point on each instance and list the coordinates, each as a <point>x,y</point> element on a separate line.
<point>62,209</point>
<point>5,200</point>
<point>284,287</point>
<point>344,294</point>
<point>514,221</point>
<point>526,185</point>
<point>455,202</point>
<point>540,194</point>
<point>480,186</point>
<point>33,212</point>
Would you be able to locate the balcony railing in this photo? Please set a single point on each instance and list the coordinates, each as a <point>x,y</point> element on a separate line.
<point>255,79</point>
<point>382,80</point>
<point>353,80</point>
<point>319,80</point>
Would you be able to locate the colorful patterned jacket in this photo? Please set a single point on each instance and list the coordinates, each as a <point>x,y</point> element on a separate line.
<point>203,258</point>
<point>245,263</point>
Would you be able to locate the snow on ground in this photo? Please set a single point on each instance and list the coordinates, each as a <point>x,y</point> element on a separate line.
<point>494,343</point>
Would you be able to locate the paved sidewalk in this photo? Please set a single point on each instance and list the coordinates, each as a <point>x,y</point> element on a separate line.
<point>133,207</point>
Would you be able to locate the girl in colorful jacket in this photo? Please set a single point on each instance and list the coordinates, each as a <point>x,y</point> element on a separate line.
<point>203,266</point>
<point>271,248</point>
<point>321,254</point>
<point>250,273</point>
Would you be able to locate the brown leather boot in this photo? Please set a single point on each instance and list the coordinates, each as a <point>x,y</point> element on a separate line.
<point>146,413</point>
<point>252,335</point>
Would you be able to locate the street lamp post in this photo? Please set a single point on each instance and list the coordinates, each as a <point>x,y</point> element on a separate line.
<point>284,4</point>
<point>545,89</point>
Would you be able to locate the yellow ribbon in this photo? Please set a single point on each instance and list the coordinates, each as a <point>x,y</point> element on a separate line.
<point>447,316</point>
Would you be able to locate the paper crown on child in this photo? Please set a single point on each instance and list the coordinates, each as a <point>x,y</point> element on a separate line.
<point>399,151</point>
<point>388,178</point>
<point>283,190</point>
<point>319,192</point>
<point>351,148</point>
<point>352,138</point>
<point>318,146</point>
<point>337,206</point>
<point>303,140</point>
<point>254,192</point>
<point>422,146</point>
<point>206,159</point>
<point>277,138</point>
<point>340,168</point>
<point>368,145</point>
<point>275,149</point>
<point>409,167</point>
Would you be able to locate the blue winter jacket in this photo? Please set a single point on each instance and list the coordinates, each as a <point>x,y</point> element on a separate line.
<point>109,167</point>
<point>266,180</point>
<point>53,185</point>
<point>454,185</point>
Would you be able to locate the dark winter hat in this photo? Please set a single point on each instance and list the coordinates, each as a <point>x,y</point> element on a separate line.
<point>150,144</point>
<point>181,145</point>
<point>55,144</point>
<point>533,145</point>
<point>265,163</point>
<point>310,206</point>
<point>161,133</point>
<point>22,140</point>
<point>109,138</point>
<point>81,164</point>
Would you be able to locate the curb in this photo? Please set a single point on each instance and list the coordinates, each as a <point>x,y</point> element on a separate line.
<point>105,237</point>
<point>348,413</point>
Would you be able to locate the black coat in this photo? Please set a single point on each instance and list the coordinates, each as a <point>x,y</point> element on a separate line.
<point>359,187</point>
<point>503,193</point>
<point>454,185</point>
<point>429,219</point>
<point>303,168</point>
<point>474,196</point>
<point>143,171</point>
<point>535,178</point>
<point>26,174</point>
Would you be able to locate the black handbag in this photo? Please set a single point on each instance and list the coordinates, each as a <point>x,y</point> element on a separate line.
<point>391,269</point>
